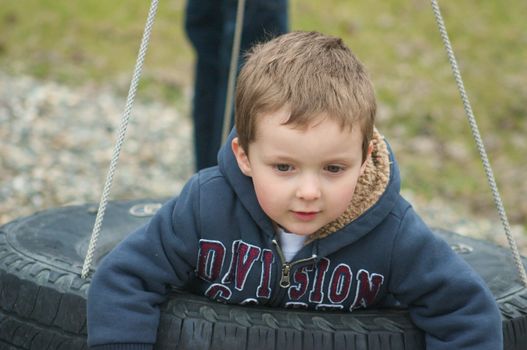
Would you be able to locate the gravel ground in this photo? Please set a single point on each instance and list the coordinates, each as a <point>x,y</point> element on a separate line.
<point>57,143</point>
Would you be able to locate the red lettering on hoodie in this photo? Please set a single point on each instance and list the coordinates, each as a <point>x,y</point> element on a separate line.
<point>246,256</point>
<point>316,294</point>
<point>210,259</point>
<point>264,289</point>
<point>340,284</point>
<point>367,289</point>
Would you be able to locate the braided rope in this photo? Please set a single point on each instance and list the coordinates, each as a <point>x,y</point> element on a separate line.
<point>227,115</point>
<point>120,139</point>
<point>479,143</point>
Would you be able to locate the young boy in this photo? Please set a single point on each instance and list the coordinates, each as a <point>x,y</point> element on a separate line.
<point>303,211</point>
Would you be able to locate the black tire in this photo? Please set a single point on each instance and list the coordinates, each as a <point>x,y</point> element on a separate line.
<point>43,299</point>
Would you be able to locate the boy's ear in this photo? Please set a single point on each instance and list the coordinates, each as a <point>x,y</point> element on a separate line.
<point>368,155</point>
<point>242,157</point>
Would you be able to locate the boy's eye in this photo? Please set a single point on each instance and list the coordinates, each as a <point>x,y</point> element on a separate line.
<point>283,167</point>
<point>334,168</point>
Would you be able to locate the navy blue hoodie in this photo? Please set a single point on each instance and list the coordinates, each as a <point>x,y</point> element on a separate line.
<point>215,240</point>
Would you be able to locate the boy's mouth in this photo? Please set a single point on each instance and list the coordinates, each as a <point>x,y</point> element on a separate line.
<point>305,215</point>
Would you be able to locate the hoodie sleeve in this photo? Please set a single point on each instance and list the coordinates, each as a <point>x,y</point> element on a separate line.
<point>446,298</point>
<point>135,278</point>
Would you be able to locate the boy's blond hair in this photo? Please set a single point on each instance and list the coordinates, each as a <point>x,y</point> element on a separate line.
<point>310,74</point>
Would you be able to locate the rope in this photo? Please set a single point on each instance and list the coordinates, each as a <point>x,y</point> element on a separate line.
<point>227,115</point>
<point>479,143</point>
<point>120,140</point>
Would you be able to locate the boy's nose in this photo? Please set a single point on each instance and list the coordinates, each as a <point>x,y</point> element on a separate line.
<point>309,188</point>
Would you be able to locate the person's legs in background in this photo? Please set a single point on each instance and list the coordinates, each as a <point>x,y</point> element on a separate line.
<point>204,27</point>
<point>210,26</point>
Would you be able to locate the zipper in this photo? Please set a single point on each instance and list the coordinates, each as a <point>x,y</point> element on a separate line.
<point>285,278</point>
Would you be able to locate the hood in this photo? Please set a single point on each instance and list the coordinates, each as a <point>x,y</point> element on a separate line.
<point>374,198</point>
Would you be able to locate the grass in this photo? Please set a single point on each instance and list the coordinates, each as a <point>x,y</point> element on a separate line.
<point>75,42</point>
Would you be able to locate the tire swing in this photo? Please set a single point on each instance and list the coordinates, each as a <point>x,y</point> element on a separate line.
<point>45,264</point>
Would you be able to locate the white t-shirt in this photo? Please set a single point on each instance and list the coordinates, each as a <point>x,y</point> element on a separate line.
<point>290,243</point>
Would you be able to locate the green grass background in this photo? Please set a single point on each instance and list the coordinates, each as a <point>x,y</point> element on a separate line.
<point>96,41</point>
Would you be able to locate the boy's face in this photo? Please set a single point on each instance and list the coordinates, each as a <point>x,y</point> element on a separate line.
<point>303,178</point>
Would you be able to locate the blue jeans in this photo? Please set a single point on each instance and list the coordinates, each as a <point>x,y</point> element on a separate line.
<point>210,26</point>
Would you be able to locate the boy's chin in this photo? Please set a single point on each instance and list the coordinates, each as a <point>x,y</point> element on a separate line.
<point>298,231</point>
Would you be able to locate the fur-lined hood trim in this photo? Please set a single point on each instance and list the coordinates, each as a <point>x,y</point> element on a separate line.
<point>370,186</point>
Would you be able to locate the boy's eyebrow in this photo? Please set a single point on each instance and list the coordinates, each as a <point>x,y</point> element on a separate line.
<point>335,158</point>
<point>278,157</point>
